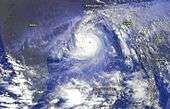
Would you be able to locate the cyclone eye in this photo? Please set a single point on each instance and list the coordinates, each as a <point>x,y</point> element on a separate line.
<point>87,44</point>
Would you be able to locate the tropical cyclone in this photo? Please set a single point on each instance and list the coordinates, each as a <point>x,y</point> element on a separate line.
<point>103,59</point>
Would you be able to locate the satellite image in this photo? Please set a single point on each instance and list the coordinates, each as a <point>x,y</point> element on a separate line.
<point>84,54</point>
